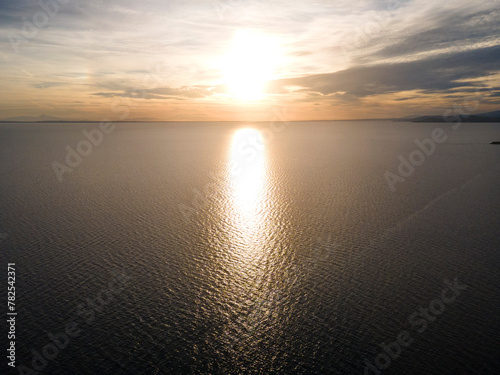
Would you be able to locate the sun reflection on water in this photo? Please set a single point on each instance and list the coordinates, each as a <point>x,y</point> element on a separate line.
<point>248,286</point>
<point>247,174</point>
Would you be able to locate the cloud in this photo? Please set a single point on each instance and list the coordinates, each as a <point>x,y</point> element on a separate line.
<point>193,92</point>
<point>46,85</point>
<point>435,74</point>
<point>335,52</point>
<point>450,30</point>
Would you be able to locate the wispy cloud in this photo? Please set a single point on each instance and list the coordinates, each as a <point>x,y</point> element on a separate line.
<point>441,73</point>
<point>332,53</point>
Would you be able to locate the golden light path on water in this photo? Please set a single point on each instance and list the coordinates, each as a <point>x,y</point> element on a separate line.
<point>247,290</point>
<point>246,218</point>
<point>248,263</point>
<point>247,174</point>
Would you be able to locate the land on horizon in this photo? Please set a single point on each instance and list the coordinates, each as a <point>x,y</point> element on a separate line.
<point>479,117</point>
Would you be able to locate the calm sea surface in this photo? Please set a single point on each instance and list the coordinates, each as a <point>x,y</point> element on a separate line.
<point>252,248</point>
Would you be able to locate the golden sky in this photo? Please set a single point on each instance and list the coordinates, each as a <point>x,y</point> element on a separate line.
<point>241,59</point>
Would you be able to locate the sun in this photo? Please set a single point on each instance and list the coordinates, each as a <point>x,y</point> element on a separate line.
<point>249,64</point>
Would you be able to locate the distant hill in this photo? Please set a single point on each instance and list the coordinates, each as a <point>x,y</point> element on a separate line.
<point>495,114</point>
<point>479,117</point>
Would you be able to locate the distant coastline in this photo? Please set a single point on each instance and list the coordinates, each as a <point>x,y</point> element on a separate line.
<point>470,118</point>
<point>481,117</point>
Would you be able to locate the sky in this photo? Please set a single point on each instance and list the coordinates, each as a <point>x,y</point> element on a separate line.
<point>244,60</point>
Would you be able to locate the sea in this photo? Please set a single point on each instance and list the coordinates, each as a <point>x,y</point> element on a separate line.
<point>329,247</point>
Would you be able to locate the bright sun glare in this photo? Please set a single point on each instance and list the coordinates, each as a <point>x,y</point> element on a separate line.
<point>249,64</point>
<point>249,169</point>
